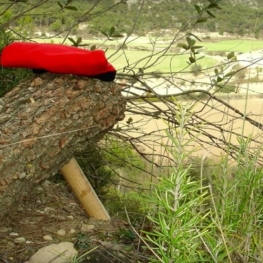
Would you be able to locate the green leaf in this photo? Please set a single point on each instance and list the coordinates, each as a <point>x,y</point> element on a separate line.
<point>93,47</point>
<point>211,14</point>
<point>73,41</point>
<point>183,45</point>
<point>201,20</point>
<point>190,41</point>
<point>61,6</point>
<point>117,34</point>
<point>197,47</point>
<point>219,79</point>
<point>213,5</point>
<point>130,120</point>
<point>69,1</point>
<point>70,7</point>
<point>198,9</point>
<point>111,31</point>
<point>226,89</point>
<point>216,71</point>
<point>79,40</point>
<point>192,60</point>
<point>230,55</point>
<point>105,34</point>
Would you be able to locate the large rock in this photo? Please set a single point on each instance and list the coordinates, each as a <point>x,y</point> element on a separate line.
<point>45,121</point>
<point>55,253</point>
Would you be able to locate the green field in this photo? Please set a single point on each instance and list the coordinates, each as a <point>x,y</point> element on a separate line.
<point>142,59</point>
<point>153,62</point>
<point>238,45</point>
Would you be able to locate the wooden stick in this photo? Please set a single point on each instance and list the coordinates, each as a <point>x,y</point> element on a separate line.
<point>83,190</point>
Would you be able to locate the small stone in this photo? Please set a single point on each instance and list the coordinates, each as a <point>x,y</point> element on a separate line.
<point>72,231</point>
<point>70,217</point>
<point>55,253</point>
<point>22,175</point>
<point>47,238</point>
<point>29,242</point>
<point>61,232</point>
<point>86,228</point>
<point>13,234</point>
<point>19,240</point>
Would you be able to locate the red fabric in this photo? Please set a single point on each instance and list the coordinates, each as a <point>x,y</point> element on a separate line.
<point>56,58</point>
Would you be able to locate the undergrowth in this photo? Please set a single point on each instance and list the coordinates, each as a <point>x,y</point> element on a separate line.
<point>205,214</point>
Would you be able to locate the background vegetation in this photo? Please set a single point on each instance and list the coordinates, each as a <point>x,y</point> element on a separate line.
<point>237,18</point>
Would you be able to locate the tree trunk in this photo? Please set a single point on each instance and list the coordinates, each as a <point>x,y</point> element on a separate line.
<point>44,121</point>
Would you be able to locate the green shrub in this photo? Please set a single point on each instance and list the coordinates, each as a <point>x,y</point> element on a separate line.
<point>117,204</point>
<point>207,214</point>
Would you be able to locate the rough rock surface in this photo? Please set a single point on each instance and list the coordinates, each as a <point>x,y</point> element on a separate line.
<point>44,121</point>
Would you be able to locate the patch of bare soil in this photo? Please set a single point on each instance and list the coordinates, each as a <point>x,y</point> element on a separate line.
<point>51,214</point>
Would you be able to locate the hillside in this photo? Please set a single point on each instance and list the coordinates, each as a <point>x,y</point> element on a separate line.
<point>101,15</point>
<point>246,2</point>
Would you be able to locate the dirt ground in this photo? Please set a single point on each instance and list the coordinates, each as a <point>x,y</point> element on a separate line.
<point>52,207</point>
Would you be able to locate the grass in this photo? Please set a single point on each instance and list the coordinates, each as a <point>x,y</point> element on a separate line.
<point>238,45</point>
<point>168,63</point>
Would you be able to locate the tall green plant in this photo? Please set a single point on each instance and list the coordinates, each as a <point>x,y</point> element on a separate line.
<point>178,216</point>
<point>237,208</point>
<point>218,223</point>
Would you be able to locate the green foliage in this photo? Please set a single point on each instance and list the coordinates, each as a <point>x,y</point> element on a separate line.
<point>56,26</point>
<point>204,214</point>
<point>75,43</point>
<point>99,164</point>
<point>154,15</point>
<point>177,216</point>
<point>95,169</point>
<point>117,204</point>
<point>66,5</point>
<point>120,154</point>
<point>111,32</point>
<point>9,78</point>
<point>205,167</point>
<point>177,219</point>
